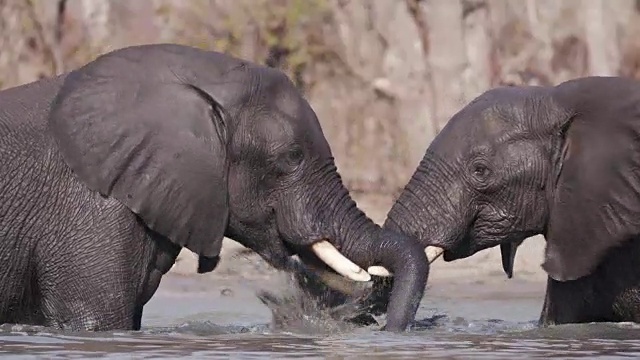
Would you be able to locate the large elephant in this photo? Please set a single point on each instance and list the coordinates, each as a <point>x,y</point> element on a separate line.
<point>109,170</point>
<point>562,161</point>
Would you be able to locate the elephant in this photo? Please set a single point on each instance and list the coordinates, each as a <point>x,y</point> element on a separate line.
<point>561,161</point>
<point>109,170</point>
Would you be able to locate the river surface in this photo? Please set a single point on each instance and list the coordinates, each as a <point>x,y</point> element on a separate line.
<point>191,318</point>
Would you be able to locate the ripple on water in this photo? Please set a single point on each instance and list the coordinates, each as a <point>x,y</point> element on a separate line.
<point>300,329</point>
<point>433,343</point>
<point>205,339</point>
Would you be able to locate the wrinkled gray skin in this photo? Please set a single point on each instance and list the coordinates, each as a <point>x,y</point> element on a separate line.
<point>559,161</point>
<point>109,170</point>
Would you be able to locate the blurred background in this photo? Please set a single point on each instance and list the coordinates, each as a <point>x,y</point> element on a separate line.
<point>383,75</point>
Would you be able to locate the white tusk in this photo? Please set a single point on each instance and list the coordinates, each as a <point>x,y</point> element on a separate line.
<point>343,266</point>
<point>379,271</point>
<point>433,252</point>
<point>332,280</point>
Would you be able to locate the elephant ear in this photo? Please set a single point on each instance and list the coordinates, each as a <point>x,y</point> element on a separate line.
<point>596,202</point>
<point>156,144</point>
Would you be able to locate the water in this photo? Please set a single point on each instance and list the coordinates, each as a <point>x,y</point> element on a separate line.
<point>192,318</point>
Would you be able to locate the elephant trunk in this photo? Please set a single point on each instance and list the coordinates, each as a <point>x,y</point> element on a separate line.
<point>368,245</point>
<point>349,243</point>
<point>428,209</point>
<point>431,208</point>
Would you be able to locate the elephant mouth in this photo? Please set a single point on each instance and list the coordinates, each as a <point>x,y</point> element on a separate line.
<point>322,251</point>
<point>463,249</point>
<point>460,250</point>
<point>452,255</point>
<point>468,246</point>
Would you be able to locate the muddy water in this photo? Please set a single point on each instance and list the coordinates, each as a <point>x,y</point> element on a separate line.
<point>191,318</point>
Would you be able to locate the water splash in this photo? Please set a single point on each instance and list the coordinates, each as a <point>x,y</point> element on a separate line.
<point>306,305</point>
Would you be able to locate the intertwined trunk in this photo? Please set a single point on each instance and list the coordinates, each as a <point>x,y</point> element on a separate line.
<point>367,244</point>
<point>427,211</point>
<point>363,242</point>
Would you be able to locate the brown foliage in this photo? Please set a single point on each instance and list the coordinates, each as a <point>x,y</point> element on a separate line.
<point>366,66</point>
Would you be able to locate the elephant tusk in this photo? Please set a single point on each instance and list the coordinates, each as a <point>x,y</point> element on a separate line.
<point>379,271</point>
<point>433,252</point>
<point>343,266</point>
<point>332,280</point>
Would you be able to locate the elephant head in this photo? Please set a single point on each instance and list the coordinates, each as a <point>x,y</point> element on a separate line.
<point>560,161</point>
<point>201,145</point>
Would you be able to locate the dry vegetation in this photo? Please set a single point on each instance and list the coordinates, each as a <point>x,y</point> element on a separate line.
<point>384,76</point>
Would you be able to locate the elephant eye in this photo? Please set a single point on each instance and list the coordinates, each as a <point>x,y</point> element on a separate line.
<point>480,170</point>
<point>288,161</point>
<point>294,157</point>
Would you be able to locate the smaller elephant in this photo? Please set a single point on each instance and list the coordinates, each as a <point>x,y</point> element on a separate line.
<point>562,161</point>
<point>109,170</point>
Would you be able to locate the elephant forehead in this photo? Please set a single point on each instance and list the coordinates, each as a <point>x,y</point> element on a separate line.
<point>499,108</point>
<point>288,101</point>
<point>275,128</point>
<point>284,116</point>
<point>275,90</point>
<point>521,156</point>
<point>500,122</point>
<point>469,129</point>
<point>493,118</point>
<point>479,129</point>
<point>491,123</point>
<point>498,119</point>
<point>301,122</point>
